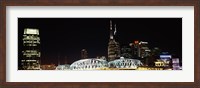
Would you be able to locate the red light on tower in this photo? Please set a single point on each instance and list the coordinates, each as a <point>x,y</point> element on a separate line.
<point>136,42</point>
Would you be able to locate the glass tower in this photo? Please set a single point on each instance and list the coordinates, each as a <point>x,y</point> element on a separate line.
<point>31,49</point>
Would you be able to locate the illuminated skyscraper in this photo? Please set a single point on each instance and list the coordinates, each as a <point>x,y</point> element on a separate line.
<point>140,49</point>
<point>144,49</point>
<point>113,46</point>
<point>84,54</point>
<point>135,49</point>
<point>31,49</point>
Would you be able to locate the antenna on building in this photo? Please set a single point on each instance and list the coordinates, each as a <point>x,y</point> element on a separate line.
<point>110,24</point>
<point>115,30</point>
<point>111,31</point>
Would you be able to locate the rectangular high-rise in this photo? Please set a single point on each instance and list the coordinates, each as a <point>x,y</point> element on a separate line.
<point>31,50</point>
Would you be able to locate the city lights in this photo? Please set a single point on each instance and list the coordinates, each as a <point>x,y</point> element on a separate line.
<point>115,48</point>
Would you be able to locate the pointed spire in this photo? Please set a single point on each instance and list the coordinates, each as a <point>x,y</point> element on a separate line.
<point>115,30</point>
<point>111,31</point>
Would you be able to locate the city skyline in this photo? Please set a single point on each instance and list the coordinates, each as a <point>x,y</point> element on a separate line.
<point>64,38</point>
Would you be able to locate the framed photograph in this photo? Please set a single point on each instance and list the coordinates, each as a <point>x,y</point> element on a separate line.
<point>99,43</point>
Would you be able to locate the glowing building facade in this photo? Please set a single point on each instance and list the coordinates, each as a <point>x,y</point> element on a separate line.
<point>166,58</point>
<point>140,49</point>
<point>135,49</point>
<point>48,67</point>
<point>113,46</point>
<point>164,61</point>
<point>175,64</point>
<point>144,49</point>
<point>31,50</point>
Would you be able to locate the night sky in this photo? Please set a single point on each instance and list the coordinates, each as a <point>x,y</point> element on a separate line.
<point>64,38</point>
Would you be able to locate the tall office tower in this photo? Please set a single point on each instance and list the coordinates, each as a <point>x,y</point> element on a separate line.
<point>135,49</point>
<point>140,49</point>
<point>144,49</point>
<point>113,46</point>
<point>31,49</point>
<point>84,54</point>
